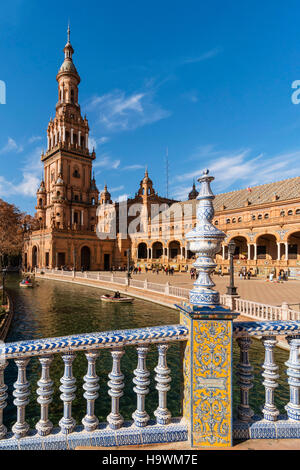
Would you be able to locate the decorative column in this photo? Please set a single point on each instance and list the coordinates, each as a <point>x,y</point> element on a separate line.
<point>21,394</point>
<point>141,380</point>
<point>68,388</point>
<point>255,251</point>
<point>91,387</point>
<point>223,252</point>
<point>270,375</point>
<point>293,372</point>
<point>116,385</point>
<point>245,378</point>
<point>249,250</point>
<point>286,255</point>
<point>45,392</point>
<point>207,365</point>
<point>3,397</point>
<point>278,251</point>
<point>163,379</point>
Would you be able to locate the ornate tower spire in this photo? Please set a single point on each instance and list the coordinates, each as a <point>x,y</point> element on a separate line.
<point>68,33</point>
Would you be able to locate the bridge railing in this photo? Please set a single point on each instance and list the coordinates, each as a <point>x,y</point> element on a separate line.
<point>269,424</point>
<point>116,341</point>
<point>247,425</point>
<point>247,308</point>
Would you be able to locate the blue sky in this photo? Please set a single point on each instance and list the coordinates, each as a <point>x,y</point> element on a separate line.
<point>210,81</point>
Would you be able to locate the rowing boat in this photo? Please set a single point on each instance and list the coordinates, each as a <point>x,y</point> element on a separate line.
<point>108,298</point>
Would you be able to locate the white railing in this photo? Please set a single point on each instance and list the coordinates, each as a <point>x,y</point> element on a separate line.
<point>247,308</point>
<point>92,344</point>
<point>179,292</point>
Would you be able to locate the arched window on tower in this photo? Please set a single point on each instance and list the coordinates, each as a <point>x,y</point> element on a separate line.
<point>72,95</point>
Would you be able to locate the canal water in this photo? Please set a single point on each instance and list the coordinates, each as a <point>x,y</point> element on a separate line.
<point>57,309</point>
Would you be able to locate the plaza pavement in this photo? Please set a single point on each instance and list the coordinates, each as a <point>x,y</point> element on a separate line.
<point>258,290</point>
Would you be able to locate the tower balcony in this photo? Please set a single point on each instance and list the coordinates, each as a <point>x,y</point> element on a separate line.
<point>67,146</point>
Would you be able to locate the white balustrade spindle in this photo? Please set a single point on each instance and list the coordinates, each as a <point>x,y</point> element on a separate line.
<point>21,394</point>
<point>293,372</point>
<point>45,392</point>
<point>116,385</point>
<point>68,389</point>
<point>3,397</point>
<point>141,380</point>
<point>245,378</point>
<point>163,379</point>
<point>91,387</point>
<point>270,375</point>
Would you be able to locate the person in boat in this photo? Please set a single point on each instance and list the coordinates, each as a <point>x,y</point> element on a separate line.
<point>117,295</point>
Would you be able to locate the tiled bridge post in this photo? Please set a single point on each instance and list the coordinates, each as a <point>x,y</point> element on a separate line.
<point>207,369</point>
<point>207,364</point>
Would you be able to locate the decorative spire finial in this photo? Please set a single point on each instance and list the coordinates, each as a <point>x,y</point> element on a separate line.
<point>205,240</point>
<point>68,42</point>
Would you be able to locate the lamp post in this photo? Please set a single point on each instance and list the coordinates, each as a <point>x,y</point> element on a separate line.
<point>128,263</point>
<point>231,289</point>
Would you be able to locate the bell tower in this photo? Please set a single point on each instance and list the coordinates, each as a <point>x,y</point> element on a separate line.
<point>68,183</point>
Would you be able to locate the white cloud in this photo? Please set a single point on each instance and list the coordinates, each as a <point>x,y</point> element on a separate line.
<point>105,161</point>
<point>34,138</point>
<point>191,96</point>
<point>10,146</point>
<point>93,142</point>
<point>238,170</point>
<point>132,167</point>
<point>116,111</point>
<point>30,178</point>
<point>206,55</point>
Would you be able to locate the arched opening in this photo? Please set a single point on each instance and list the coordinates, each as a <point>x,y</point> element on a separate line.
<point>266,247</point>
<point>174,249</point>
<point>157,250</point>
<point>142,251</point>
<point>34,256</point>
<point>294,246</point>
<point>85,258</point>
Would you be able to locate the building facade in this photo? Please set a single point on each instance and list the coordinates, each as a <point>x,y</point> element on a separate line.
<point>82,229</point>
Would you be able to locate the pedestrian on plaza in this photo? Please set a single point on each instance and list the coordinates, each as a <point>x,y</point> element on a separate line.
<point>249,274</point>
<point>140,270</point>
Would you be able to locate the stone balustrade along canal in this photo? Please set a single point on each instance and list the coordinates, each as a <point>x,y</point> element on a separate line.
<point>206,332</point>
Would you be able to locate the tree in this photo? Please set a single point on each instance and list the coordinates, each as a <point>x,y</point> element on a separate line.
<point>13,224</point>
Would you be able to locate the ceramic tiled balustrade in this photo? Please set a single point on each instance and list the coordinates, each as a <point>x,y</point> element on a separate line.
<point>141,430</point>
<point>206,330</point>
